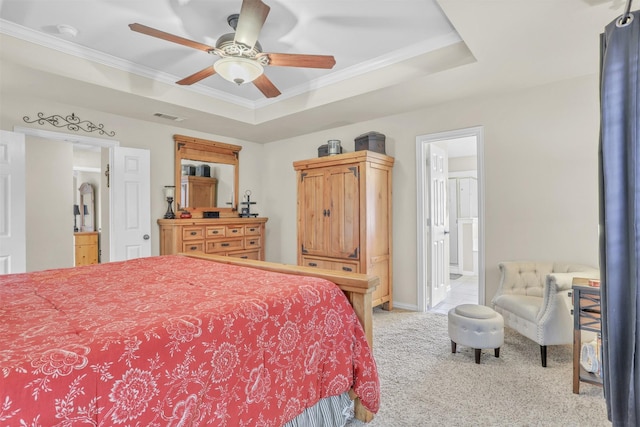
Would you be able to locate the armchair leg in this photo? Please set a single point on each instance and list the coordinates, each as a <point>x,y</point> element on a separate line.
<point>543,355</point>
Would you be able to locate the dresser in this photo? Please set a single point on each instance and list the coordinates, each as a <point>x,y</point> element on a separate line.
<point>586,317</point>
<point>86,248</point>
<point>344,216</point>
<point>237,237</point>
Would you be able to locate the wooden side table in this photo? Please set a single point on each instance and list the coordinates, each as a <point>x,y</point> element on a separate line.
<point>586,317</point>
<point>86,248</point>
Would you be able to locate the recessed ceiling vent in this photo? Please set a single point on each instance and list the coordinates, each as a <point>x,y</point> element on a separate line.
<point>169,117</point>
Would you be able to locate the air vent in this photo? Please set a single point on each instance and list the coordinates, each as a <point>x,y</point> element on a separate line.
<point>168,117</point>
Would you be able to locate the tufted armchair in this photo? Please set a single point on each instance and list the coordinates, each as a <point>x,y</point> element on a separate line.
<point>533,300</point>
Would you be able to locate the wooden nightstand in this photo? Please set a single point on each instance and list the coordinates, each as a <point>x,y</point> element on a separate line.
<point>586,317</point>
<point>86,248</point>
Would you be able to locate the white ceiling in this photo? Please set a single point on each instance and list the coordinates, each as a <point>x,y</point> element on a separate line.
<point>391,56</point>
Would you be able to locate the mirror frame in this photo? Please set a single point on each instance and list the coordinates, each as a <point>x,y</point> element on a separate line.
<point>196,149</point>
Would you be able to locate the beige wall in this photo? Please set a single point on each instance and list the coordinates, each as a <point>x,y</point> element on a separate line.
<point>156,137</point>
<point>540,157</point>
<point>463,164</point>
<point>49,204</point>
<point>540,161</point>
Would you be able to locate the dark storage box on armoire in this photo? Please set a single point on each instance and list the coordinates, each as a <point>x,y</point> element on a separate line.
<point>372,141</point>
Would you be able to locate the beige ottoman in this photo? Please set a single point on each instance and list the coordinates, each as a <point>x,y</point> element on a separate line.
<point>476,326</point>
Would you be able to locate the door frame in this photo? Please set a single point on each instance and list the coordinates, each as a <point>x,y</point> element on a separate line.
<point>422,290</point>
<point>76,139</point>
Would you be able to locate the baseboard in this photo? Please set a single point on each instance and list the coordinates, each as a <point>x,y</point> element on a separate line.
<point>409,307</point>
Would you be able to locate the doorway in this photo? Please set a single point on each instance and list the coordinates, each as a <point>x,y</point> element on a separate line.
<point>101,148</point>
<point>464,225</point>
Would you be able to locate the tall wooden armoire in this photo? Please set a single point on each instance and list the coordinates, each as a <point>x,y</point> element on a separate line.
<point>344,216</point>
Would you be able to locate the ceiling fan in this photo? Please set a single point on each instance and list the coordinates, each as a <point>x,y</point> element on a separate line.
<point>241,57</point>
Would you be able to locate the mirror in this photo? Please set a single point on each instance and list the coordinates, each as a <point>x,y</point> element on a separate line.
<point>86,208</point>
<point>206,176</point>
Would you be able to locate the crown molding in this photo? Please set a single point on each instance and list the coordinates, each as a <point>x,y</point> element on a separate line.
<point>71,48</point>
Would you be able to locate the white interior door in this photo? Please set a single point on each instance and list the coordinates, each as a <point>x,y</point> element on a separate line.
<point>453,220</point>
<point>130,204</point>
<point>13,248</point>
<point>439,223</point>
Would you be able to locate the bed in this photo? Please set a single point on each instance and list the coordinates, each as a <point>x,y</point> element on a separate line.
<point>183,340</point>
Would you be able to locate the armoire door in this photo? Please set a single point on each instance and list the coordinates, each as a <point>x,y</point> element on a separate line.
<point>343,215</point>
<point>312,212</point>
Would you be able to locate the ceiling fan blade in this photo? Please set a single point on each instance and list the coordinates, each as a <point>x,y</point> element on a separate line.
<point>253,13</point>
<point>266,86</point>
<point>299,60</point>
<point>196,77</point>
<point>169,37</point>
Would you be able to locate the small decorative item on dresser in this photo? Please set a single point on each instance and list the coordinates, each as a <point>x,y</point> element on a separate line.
<point>372,141</point>
<point>185,214</point>
<point>168,193</point>
<point>246,211</point>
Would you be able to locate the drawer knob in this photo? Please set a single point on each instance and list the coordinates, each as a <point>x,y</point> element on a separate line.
<point>252,242</point>
<point>234,231</point>
<point>215,231</point>
<point>224,244</point>
<point>347,268</point>
<point>193,248</point>
<point>252,229</point>
<point>313,264</point>
<point>244,257</point>
<point>193,233</point>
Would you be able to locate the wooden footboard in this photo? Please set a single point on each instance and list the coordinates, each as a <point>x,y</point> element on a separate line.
<point>357,287</point>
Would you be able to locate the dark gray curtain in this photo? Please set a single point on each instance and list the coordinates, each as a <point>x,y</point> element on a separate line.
<point>620,219</point>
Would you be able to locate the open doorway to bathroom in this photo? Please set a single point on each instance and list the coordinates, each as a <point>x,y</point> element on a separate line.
<point>462,152</point>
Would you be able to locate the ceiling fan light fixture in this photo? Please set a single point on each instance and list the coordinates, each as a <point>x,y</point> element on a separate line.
<point>238,70</point>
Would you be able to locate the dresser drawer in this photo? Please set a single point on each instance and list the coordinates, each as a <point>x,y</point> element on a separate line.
<point>86,239</point>
<point>347,267</point>
<point>214,246</point>
<point>192,233</point>
<point>245,254</point>
<point>218,231</point>
<point>193,246</point>
<point>235,230</point>
<point>251,230</point>
<point>251,242</point>
<point>317,263</point>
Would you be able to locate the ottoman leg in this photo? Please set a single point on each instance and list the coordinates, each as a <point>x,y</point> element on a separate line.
<point>453,347</point>
<point>478,352</point>
<point>496,352</point>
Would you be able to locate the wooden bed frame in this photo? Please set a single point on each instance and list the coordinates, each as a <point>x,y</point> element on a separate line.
<point>357,287</point>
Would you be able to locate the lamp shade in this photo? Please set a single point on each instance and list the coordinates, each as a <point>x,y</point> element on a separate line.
<point>238,70</point>
<point>76,210</point>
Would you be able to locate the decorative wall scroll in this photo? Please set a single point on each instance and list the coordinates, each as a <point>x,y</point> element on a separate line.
<point>71,122</point>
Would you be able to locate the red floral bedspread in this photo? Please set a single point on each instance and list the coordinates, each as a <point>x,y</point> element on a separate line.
<point>175,341</point>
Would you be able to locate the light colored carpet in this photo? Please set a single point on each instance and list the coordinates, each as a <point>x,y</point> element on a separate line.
<point>424,384</point>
